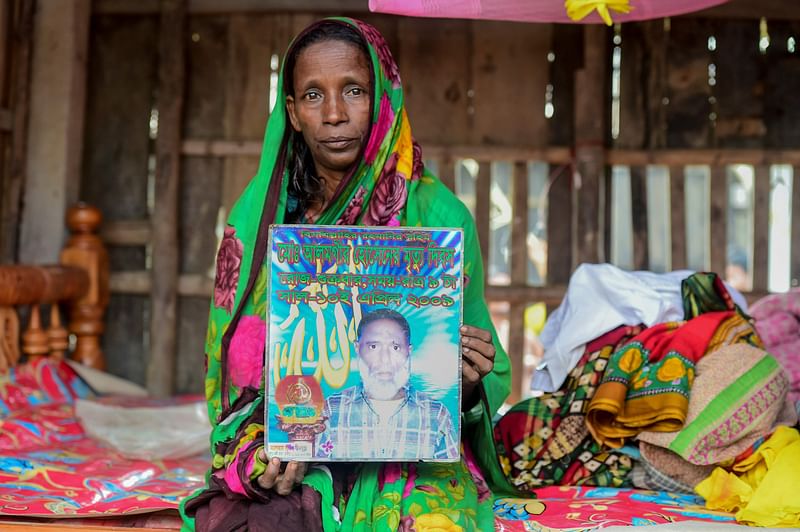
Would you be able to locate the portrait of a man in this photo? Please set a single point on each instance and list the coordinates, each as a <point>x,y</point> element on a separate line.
<point>384,417</point>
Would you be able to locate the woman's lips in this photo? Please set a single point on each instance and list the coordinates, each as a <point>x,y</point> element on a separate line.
<point>338,143</point>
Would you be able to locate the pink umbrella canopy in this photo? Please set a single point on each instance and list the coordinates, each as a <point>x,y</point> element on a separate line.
<point>585,11</point>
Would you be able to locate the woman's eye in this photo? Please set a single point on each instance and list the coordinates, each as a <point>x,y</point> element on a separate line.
<point>356,91</point>
<point>312,96</point>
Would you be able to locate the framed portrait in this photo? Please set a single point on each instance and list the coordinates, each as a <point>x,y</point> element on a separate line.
<point>363,357</point>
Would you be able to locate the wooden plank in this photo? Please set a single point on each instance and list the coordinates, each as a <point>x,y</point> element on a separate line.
<point>140,283</point>
<point>6,18</point>
<point>126,233</point>
<point>708,157</point>
<point>252,148</point>
<point>55,126</point>
<point>688,108</point>
<point>13,526</point>
<point>165,242</point>
<point>6,120</point>
<point>641,250</point>
<point>503,51</point>
<point>553,295</point>
<point>781,87</point>
<point>121,85</point>
<point>761,228</point>
<point>590,132</point>
<point>14,171</point>
<point>252,40</point>
<point>677,201</point>
<point>559,225</point>
<point>447,172</point>
<point>739,88</point>
<point>795,245</point>
<point>718,215</point>
<point>483,192</point>
<point>519,276</point>
<point>434,59</point>
<point>567,49</point>
<point>201,189</point>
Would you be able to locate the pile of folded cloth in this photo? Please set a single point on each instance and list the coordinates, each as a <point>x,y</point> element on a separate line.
<point>664,381</point>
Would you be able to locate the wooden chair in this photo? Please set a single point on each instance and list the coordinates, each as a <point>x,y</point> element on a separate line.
<point>77,288</point>
<point>78,285</point>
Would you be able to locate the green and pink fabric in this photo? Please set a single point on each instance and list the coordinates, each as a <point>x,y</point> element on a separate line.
<point>387,187</point>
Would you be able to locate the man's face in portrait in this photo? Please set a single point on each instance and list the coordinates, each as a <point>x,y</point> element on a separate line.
<point>384,359</point>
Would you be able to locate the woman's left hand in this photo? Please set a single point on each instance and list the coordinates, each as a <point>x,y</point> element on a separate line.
<point>478,360</point>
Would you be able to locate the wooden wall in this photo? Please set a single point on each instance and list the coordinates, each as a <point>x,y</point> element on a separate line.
<point>16,34</point>
<point>475,90</point>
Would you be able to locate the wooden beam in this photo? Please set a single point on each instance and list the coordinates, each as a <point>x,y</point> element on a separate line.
<point>6,120</point>
<point>55,129</point>
<point>252,148</point>
<point>519,277</point>
<point>144,7</point>
<point>447,172</point>
<point>590,134</point>
<point>483,205</point>
<point>719,219</point>
<point>760,265</point>
<point>127,233</point>
<point>22,40</point>
<point>641,241</point>
<point>165,244</point>
<point>677,200</point>
<point>552,155</point>
<point>709,157</point>
<point>140,283</point>
<point>795,231</point>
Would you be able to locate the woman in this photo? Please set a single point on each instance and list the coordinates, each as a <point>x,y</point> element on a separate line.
<point>344,156</point>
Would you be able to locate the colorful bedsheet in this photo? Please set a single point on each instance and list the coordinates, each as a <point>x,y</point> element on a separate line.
<point>49,468</point>
<point>582,508</point>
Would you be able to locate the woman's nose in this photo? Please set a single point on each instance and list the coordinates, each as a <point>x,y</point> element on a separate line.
<point>334,111</point>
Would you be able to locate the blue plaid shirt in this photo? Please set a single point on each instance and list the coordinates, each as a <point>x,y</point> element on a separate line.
<point>420,428</point>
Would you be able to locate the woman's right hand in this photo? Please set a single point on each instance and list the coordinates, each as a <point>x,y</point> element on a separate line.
<point>282,482</point>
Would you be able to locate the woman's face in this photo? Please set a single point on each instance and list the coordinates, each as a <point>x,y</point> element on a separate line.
<point>331,105</point>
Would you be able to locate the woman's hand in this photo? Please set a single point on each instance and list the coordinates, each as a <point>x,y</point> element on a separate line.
<point>282,482</point>
<point>478,360</point>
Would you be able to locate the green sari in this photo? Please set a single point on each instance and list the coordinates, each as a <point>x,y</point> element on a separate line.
<point>389,187</point>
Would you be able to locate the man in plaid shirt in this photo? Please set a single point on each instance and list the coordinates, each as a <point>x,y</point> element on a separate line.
<point>384,417</point>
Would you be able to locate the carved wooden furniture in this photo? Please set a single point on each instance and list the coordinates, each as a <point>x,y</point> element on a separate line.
<point>77,288</point>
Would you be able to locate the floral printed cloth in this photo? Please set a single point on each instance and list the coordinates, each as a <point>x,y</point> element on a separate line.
<point>778,323</point>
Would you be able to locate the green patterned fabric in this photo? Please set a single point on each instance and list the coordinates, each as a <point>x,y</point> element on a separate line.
<point>387,187</point>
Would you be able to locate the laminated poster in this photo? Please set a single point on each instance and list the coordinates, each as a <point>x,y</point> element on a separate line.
<point>363,357</point>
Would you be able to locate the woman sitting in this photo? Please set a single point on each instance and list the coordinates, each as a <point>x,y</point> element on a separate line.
<point>339,151</point>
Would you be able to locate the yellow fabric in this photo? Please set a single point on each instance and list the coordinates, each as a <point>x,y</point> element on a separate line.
<point>577,10</point>
<point>615,418</point>
<point>763,488</point>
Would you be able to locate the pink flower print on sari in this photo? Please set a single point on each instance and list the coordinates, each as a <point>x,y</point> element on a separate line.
<point>229,259</point>
<point>417,166</point>
<point>483,487</point>
<point>379,129</point>
<point>388,63</point>
<point>389,196</point>
<point>246,352</point>
<point>407,524</point>
<point>389,474</point>
<point>354,208</point>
